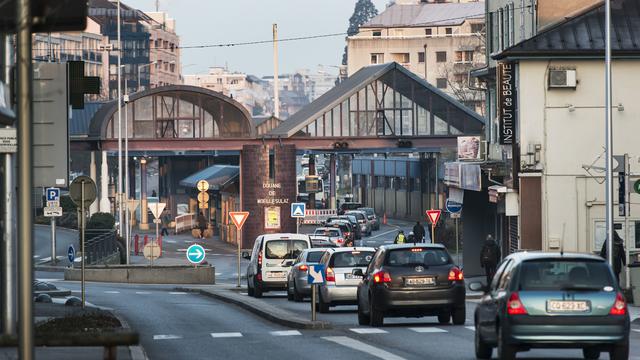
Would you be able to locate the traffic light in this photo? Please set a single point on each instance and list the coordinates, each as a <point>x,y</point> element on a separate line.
<point>622,194</point>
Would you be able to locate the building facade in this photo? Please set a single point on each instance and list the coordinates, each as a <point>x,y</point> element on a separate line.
<point>164,68</point>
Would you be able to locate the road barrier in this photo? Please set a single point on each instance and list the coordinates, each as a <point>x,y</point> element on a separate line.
<point>185,222</point>
<point>318,216</point>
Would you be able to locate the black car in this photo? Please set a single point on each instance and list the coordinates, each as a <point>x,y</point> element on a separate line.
<point>346,206</point>
<point>351,219</point>
<point>552,300</point>
<point>411,280</point>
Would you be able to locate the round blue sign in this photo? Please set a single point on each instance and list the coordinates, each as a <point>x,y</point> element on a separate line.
<point>453,206</point>
<point>71,253</point>
<point>195,254</point>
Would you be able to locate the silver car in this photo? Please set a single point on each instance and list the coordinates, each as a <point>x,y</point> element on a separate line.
<point>341,285</point>
<point>333,233</point>
<point>363,221</point>
<point>297,285</point>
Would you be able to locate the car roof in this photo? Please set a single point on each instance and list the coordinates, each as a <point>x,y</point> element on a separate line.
<point>547,255</point>
<point>350,249</point>
<point>315,250</point>
<point>412,245</point>
<point>285,236</point>
<point>326,228</point>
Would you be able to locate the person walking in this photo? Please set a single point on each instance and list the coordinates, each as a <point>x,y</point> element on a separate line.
<point>202,224</point>
<point>165,224</point>
<point>418,232</point>
<point>400,238</point>
<point>490,257</point>
<point>619,255</point>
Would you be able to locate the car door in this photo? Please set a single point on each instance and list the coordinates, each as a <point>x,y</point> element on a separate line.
<point>365,285</point>
<point>252,269</point>
<point>487,312</point>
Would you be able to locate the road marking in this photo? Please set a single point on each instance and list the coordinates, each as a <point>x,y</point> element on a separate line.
<point>470,328</point>
<point>112,292</point>
<point>218,274</point>
<point>178,293</point>
<point>226,335</point>
<point>636,330</point>
<point>428,330</point>
<point>381,234</point>
<point>285,333</point>
<point>360,346</point>
<point>368,331</point>
<point>36,256</point>
<point>143,292</point>
<point>169,241</point>
<point>166,337</point>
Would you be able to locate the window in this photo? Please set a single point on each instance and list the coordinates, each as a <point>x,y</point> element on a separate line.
<point>377,33</point>
<point>428,32</point>
<point>448,31</point>
<point>377,58</point>
<point>402,58</point>
<point>421,57</point>
<point>441,83</point>
<point>219,81</point>
<point>417,256</point>
<point>477,28</point>
<point>464,57</point>
<point>441,56</point>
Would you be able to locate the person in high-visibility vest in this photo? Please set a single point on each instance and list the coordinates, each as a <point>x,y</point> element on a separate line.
<point>400,238</point>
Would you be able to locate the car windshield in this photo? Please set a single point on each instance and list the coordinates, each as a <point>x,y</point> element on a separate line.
<point>328,232</point>
<point>351,218</point>
<point>358,216</point>
<point>351,259</point>
<point>284,249</point>
<point>417,256</point>
<point>314,256</point>
<point>564,275</point>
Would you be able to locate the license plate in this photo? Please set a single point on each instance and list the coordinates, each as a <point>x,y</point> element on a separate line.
<point>276,275</point>
<point>567,306</point>
<point>352,277</point>
<point>424,281</point>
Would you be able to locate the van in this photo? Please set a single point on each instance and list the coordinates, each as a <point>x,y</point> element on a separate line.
<point>271,260</point>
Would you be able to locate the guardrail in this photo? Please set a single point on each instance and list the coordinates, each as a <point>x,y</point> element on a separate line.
<point>318,216</point>
<point>184,222</point>
<point>99,244</point>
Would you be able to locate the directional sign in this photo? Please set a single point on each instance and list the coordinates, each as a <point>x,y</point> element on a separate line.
<point>90,190</point>
<point>53,194</point>
<point>71,253</point>
<point>238,218</point>
<point>298,210</point>
<point>433,216</point>
<point>316,274</point>
<point>453,206</point>
<point>203,205</point>
<point>53,211</point>
<point>195,254</point>
<point>156,209</point>
<point>202,185</point>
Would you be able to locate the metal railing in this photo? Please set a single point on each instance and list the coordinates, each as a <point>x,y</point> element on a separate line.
<point>184,222</point>
<point>99,245</point>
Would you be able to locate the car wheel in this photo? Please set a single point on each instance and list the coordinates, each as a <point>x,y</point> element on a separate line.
<point>363,319</point>
<point>619,352</point>
<point>505,350</point>
<point>483,351</point>
<point>323,307</point>
<point>289,292</point>
<point>376,317</point>
<point>458,315</point>
<point>591,353</point>
<point>249,288</point>
<point>257,290</point>
<point>297,297</point>
<point>444,318</point>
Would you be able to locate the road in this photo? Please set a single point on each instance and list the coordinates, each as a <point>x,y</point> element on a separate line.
<point>42,242</point>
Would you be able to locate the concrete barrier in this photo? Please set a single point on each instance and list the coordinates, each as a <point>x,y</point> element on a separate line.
<point>145,274</point>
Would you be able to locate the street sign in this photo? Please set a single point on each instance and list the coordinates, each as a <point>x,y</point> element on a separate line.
<point>636,186</point>
<point>433,216</point>
<point>316,274</point>
<point>238,218</point>
<point>71,253</point>
<point>53,194</point>
<point>151,251</point>
<point>195,254</point>
<point>203,205</point>
<point>203,197</point>
<point>53,203</point>
<point>156,209</point>
<point>202,185</point>
<point>90,191</point>
<point>53,211</point>
<point>298,210</point>
<point>8,140</point>
<point>133,205</point>
<point>453,207</point>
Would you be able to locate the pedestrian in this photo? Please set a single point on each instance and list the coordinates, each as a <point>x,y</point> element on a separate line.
<point>619,256</point>
<point>165,224</point>
<point>202,224</point>
<point>400,238</point>
<point>412,237</point>
<point>489,257</point>
<point>418,231</point>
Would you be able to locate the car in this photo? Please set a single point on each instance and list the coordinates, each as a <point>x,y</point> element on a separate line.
<point>350,218</point>
<point>271,260</point>
<point>371,215</point>
<point>552,300</point>
<point>347,231</point>
<point>321,241</point>
<point>297,285</point>
<point>346,206</point>
<point>333,233</point>
<point>363,221</point>
<point>340,281</point>
<point>411,280</point>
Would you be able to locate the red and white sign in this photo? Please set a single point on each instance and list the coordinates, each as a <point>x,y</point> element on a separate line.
<point>433,216</point>
<point>238,218</point>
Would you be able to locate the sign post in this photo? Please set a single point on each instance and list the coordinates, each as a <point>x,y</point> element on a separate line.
<point>315,277</point>
<point>298,212</point>
<point>83,192</point>
<point>455,208</point>
<point>238,218</point>
<point>53,205</point>
<point>433,216</point>
<point>156,210</point>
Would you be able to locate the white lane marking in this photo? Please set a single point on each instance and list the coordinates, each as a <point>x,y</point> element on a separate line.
<point>177,293</point>
<point>428,330</point>
<point>381,234</point>
<point>166,337</point>
<point>36,256</point>
<point>636,330</point>
<point>368,331</point>
<point>218,274</point>
<point>170,241</point>
<point>112,292</point>
<point>143,292</point>
<point>470,328</point>
<point>360,346</point>
<point>285,333</point>
<point>226,335</point>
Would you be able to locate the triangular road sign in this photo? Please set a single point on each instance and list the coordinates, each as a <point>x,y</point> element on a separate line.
<point>238,218</point>
<point>156,209</point>
<point>433,216</point>
<point>133,205</point>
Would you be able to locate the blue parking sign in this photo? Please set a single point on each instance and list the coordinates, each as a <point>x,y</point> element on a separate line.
<point>53,194</point>
<point>316,274</point>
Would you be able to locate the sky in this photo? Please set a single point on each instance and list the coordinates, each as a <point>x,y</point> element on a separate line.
<point>200,22</point>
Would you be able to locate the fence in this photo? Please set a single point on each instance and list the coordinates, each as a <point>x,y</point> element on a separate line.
<point>99,245</point>
<point>318,216</point>
<point>185,222</point>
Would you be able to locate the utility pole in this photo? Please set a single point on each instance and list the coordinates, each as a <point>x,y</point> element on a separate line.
<point>276,79</point>
<point>609,136</point>
<point>127,217</point>
<point>119,186</point>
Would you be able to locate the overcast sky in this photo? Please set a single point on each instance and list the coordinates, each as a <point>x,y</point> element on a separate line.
<point>202,22</point>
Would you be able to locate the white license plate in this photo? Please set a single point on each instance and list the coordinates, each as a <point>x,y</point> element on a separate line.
<point>352,277</point>
<point>567,306</point>
<point>276,275</point>
<point>423,281</point>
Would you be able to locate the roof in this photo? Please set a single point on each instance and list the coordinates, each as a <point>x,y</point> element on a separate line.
<point>352,85</point>
<point>217,176</point>
<point>584,35</point>
<point>427,14</point>
<point>543,255</point>
<point>81,118</point>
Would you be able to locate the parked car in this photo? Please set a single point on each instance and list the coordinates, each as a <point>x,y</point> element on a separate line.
<point>297,285</point>
<point>363,221</point>
<point>341,282</point>
<point>411,280</point>
<point>371,215</point>
<point>346,206</point>
<point>350,218</point>
<point>333,233</point>
<point>271,260</point>
<point>552,300</point>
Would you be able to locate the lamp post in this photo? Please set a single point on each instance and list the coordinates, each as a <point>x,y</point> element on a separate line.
<point>119,187</point>
<point>140,67</point>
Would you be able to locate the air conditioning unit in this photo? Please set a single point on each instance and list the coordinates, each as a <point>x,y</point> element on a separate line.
<point>562,79</point>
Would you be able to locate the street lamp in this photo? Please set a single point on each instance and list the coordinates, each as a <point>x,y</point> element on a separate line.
<point>140,67</point>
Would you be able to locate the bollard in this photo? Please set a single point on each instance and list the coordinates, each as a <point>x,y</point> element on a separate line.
<point>384,219</point>
<point>136,245</point>
<point>146,240</point>
<point>160,245</point>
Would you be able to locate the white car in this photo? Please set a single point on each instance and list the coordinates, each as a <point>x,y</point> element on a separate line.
<point>333,233</point>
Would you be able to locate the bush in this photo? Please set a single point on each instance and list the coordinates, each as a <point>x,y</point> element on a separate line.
<point>102,221</point>
<point>67,204</point>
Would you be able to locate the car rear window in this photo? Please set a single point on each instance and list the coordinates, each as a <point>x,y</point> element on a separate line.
<point>368,211</point>
<point>314,256</point>
<point>351,259</point>
<point>284,249</point>
<point>417,256</point>
<point>358,216</point>
<point>332,233</point>
<point>564,275</point>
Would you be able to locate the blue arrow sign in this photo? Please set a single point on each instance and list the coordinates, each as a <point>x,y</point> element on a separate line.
<point>453,207</point>
<point>316,274</point>
<point>298,210</point>
<point>71,253</point>
<point>195,254</point>
<point>53,194</point>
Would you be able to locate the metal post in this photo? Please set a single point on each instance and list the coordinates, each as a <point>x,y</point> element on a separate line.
<point>239,241</point>
<point>313,302</point>
<point>119,186</point>
<point>433,233</point>
<point>82,226</point>
<point>53,240</point>
<point>627,211</point>
<point>609,136</point>
<point>25,179</point>
<point>436,190</point>
<point>276,79</point>
<point>127,220</point>
<point>457,243</point>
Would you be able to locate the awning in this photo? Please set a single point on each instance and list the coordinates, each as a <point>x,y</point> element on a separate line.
<point>217,176</point>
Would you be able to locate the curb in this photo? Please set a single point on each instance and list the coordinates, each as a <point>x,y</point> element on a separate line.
<point>264,310</point>
<point>136,351</point>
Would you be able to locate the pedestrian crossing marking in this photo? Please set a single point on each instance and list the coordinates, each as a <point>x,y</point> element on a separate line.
<point>226,335</point>
<point>368,331</point>
<point>285,333</point>
<point>112,292</point>
<point>166,337</point>
<point>428,330</point>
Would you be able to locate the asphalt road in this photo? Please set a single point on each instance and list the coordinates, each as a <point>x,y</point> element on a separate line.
<point>42,243</point>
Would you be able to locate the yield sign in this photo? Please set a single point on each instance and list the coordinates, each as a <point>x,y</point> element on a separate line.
<point>433,216</point>
<point>156,209</point>
<point>238,218</point>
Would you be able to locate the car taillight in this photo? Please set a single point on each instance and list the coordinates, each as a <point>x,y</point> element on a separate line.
<point>456,274</point>
<point>619,306</point>
<point>260,258</point>
<point>303,268</point>
<point>514,305</point>
<point>381,277</point>
<point>259,276</point>
<point>340,240</point>
<point>330,275</point>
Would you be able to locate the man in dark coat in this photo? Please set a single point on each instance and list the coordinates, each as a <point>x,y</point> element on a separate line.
<point>418,232</point>
<point>619,256</point>
<point>202,224</point>
<point>490,257</point>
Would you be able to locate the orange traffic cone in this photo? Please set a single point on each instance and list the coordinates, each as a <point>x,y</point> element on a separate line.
<point>384,218</point>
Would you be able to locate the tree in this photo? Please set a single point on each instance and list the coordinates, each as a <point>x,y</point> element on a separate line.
<point>363,12</point>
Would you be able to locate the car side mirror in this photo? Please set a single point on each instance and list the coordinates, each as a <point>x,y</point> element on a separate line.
<point>245,255</point>
<point>289,262</point>
<point>478,286</point>
<point>357,272</point>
